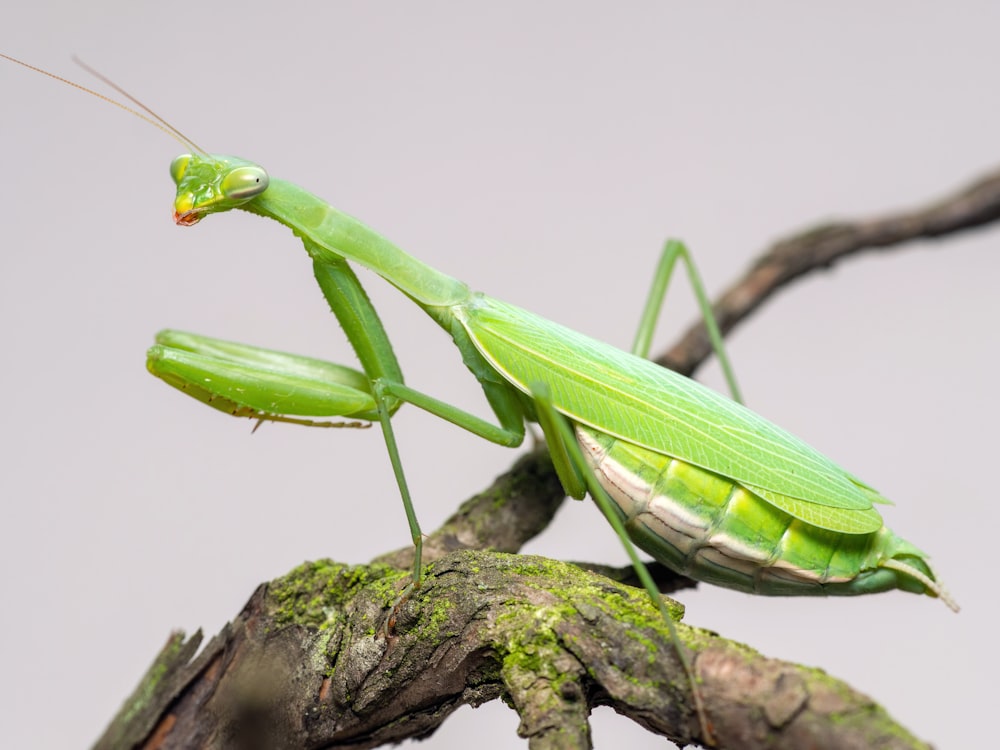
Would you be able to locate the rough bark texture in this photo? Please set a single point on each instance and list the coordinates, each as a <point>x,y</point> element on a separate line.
<point>307,664</point>
<point>315,660</point>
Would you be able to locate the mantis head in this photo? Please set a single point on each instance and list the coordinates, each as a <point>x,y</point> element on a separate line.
<point>209,184</point>
<point>205,183</point>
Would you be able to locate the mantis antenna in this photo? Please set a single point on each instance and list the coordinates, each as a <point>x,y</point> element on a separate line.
<point>151,117</point>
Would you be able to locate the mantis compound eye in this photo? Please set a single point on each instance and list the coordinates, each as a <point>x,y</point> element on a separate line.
<point>244,182</point>
<point>179,166</point>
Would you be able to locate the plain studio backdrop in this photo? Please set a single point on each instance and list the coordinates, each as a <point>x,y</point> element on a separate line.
<point>541,152</point>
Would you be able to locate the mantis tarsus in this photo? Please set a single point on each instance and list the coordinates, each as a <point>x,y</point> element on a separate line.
<point>701,483</point>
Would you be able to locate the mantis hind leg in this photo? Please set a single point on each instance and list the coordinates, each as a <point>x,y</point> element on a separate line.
<point>672,251</point>
<point>578,477</point>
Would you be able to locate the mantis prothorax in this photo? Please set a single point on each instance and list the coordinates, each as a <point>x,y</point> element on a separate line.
<point>701,483</point>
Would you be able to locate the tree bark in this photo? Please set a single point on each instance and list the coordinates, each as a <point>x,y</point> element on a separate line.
<point>308,663</point>
<point>337,656</point>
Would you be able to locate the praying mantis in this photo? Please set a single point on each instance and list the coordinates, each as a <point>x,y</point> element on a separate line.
<point>701,483</point>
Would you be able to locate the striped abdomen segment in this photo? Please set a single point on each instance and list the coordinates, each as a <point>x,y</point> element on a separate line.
<point>704,525</point>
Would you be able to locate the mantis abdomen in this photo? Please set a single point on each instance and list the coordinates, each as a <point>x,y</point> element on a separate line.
<point>713,529</point>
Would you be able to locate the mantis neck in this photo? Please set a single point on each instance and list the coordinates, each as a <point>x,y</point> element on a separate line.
<point>328,231</point>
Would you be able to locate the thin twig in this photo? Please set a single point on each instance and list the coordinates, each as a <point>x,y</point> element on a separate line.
<point>819,248</point>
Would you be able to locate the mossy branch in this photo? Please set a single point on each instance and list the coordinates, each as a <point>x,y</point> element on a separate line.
<point>308,664</point>
<point>311,661</point>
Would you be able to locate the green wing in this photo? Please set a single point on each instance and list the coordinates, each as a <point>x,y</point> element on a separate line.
<point>636,400</point>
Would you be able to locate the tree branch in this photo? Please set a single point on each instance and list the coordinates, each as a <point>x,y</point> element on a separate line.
<point>306,665</point>
<point>819,248</point>
<point>311,661</point>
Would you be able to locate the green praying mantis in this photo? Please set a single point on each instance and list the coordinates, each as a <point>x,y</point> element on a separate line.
<point>703,484</point>
<point>700,482</point>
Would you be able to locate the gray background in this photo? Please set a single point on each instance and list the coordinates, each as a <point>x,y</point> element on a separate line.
<point>542,152</point>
